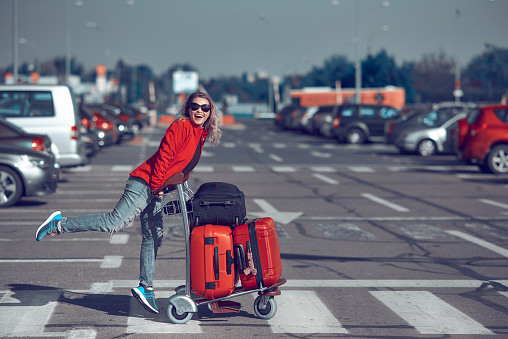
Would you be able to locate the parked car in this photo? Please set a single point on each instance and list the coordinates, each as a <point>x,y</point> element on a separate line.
<point>359,123</point>
<point>283,114</point>
<point>433,137</point>
<point>124,126</point>
<point>110,134</point>
<point>431,116</point>
<point>128,116</point>
<point>105,136</point>
<point>305,122</point>
<point>11,134</point>
<point>321,121</point>
<point>482,139</point>
<point>50,110</point>
<point>25,173</point>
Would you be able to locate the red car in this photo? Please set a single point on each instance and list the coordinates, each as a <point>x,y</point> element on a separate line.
<point>483,139</point>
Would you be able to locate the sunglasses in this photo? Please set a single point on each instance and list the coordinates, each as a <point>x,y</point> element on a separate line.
<point>195,107</point>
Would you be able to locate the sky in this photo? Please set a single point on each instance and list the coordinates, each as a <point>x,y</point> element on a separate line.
<point>232,37</point>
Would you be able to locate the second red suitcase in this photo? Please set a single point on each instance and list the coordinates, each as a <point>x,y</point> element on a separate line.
<point>258,237</point>
<point>211,260</point>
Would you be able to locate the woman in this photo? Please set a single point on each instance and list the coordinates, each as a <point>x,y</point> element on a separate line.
<point>179,151</point>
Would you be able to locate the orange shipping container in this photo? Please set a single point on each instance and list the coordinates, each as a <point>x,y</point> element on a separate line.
<point>324,96</point>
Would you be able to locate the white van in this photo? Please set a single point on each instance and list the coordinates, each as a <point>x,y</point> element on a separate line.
<point>50,110</point>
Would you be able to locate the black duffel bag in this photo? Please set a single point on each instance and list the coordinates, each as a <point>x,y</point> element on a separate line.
<point>218,203</point>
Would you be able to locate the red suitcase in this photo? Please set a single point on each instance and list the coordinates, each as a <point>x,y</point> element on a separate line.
<point>259,238</point>
<point>211,261</point>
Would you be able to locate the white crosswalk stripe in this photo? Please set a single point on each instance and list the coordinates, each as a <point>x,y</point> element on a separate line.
<point>429,314</point>
<point>303,312</point>
<point>27,313</point>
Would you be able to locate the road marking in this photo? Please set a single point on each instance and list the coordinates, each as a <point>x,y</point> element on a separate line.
<point>283,169</point>
<point>277,145</point>
<point>85,168</point>
<point>323,169</point>
<point>228,145</point>
<point>493,203</point>
<point>422,231</point>
<point>119,239</point>
<point>428,313</point>
<point>122,168</point>
<point>320,155</point>
<point>325,178</point>
<point>154,143</point>
<point>303,146</point>
<point>29,317</point>
<point>303,312</point>
<point>109,261</point>
<point>384,202</point>
<point>388,283</point>
<point>485,244</point>
<point>361,169</point>
<point>344,231</point>
<point>275,157</point>
<point>282,217</point>
<point>206,154</point>
<point>203,169</point>
<point>243,169</point>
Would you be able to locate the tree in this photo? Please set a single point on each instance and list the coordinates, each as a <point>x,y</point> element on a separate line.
<point>380,71</point>
<point>486,76</point>
<point>433,78</point>
<point>338,67</point>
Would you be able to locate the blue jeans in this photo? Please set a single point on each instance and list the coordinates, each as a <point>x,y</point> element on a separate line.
<point>136,200</point>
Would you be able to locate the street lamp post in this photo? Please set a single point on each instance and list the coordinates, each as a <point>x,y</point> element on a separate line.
<point>457,93</point>
<point>356,42</point>
<point>15,40</point>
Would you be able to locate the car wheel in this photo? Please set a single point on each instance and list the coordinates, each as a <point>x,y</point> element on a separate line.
<point>426,148</point>
<point>355,136</point>
<point>497,160</point>
<point>11,187</point>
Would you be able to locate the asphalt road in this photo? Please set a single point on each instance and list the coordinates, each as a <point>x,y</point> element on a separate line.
<point>374,245</point>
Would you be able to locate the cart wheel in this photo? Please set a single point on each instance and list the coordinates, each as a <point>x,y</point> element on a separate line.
<point>265,313</point>
<point>196,222</point>
<point>176,318</point>
<point>237,221</point>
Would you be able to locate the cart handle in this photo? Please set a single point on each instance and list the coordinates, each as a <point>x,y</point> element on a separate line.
<point>175,179</point>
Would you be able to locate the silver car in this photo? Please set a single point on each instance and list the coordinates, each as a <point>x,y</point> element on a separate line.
<point>426,141</point>
<point>25,173</point>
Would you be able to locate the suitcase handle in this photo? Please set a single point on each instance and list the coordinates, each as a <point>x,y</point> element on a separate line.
<point>240,256</point>
<point>229,262</point>
<point>216,260</point>
<point>207,204</point>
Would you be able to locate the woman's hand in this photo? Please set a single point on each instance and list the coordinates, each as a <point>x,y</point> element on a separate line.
<point>157,195</point>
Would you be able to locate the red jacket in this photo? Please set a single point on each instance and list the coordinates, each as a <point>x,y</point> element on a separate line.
<point>175,151</point>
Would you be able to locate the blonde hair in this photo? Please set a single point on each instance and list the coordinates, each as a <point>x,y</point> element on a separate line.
<point>212,124</point>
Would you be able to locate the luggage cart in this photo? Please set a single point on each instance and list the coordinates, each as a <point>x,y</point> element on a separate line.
<point>183,304</point>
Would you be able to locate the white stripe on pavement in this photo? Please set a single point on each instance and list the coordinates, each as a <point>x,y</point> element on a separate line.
<point>429,314</point>
<point>109,261</point>
<point>243,169</point>
<point>494,248</point>
<point>303,312</point>
<point>283,169</point>
<point>122,168</point>
<point>361,169</point>
<point>384,202</point>
<point>323,169</point>
<point>275,157</point>
<point>203,169</point>
<point>493,203</point>
<point>325,178</point>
